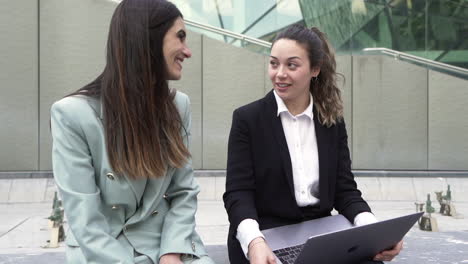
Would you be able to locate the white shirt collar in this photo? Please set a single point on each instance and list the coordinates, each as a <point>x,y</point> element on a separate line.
<point>282,107</point>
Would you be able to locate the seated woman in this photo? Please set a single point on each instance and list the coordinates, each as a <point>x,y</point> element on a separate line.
<point>120,148</point>
<point>288,156</point>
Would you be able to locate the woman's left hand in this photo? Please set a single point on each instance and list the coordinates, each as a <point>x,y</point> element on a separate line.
<point>171,258</point>
<point>388,255</point>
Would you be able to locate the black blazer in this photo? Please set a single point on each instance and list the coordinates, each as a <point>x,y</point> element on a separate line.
<point>259,181</point>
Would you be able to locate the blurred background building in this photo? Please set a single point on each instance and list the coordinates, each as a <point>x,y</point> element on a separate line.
<point>432,29</point>
<point>404,62</point>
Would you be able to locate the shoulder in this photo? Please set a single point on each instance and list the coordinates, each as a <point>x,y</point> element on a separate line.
<point>253,109</point>
<point>340,124</point>
<point>72,109</point>
<point>70,104</point>
<point>181,99</point>
<point>182,102</point>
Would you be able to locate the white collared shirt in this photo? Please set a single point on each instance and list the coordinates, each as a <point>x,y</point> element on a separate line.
<point>299,132</point>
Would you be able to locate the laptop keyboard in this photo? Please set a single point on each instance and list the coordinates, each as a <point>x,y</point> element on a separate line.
<point>288,255</point>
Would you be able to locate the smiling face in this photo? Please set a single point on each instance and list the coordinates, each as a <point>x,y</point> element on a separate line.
<point>290,71</point>
<point>175,49</point>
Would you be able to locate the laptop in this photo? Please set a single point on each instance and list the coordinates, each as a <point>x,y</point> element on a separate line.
<point>334,240</point>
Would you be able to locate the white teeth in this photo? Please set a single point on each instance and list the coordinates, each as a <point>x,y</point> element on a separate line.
<point>283,85</point>
<point>179,61</point>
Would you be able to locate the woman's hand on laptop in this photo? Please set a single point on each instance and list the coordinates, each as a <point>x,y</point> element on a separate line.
<point>260,252</point>
<point>389,254</point>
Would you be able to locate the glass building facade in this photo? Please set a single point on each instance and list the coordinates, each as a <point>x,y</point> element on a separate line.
<point>433,29</point>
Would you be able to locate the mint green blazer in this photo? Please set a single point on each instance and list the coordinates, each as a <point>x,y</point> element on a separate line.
<point>110,216</point>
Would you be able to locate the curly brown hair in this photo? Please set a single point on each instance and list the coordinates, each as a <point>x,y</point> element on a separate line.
<point>324,90</point>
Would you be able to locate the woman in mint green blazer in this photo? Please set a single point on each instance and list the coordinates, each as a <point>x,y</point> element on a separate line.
<point>120,148</point>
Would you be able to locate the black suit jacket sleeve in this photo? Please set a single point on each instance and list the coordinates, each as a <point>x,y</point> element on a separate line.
<point>347,200</point>
<point>239,198</point>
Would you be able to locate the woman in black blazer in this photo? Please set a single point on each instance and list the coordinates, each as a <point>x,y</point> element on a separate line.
<point>288,156</point>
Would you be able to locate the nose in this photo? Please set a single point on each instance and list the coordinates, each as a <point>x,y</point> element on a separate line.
<point>281,73</point>
<point>187,52</point>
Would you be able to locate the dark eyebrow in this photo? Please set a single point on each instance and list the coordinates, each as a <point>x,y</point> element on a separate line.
<point>290,58</point>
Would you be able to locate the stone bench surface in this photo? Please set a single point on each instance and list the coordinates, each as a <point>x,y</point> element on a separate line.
<point>419,247</point>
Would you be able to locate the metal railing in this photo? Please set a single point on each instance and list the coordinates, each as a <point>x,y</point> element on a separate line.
<point>396,54</point>
<point>412,58</point>
<point>228,33</point>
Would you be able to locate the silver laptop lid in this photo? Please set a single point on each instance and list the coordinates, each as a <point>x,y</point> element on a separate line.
<point>297,234</point>
<point>356,244</point>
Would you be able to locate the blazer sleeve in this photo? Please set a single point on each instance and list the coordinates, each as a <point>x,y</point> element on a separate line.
<point>348,200</point>
<point>239,198</point>
<point>179,224</point>
<point>75,178</point>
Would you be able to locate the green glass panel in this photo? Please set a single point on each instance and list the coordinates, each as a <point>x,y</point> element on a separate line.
<point>433,29</point>
<point>339,19</point>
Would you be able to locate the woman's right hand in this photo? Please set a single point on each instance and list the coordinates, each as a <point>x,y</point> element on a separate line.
<point>260,252</point>
<point>171,258</point>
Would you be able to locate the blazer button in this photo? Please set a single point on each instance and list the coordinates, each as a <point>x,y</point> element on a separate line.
<point>165,196</point>
<point>154,213</point>
<point>110,176</point>
<point>193,246</point>
<point>115,207</point>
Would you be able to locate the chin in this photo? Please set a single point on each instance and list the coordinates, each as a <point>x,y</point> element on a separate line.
<point>174,77</point>
<point>285,96</point>
<point>282,93</point>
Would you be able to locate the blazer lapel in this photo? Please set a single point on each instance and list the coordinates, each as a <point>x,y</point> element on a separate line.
<point>137,186</point>
<point>323,142</point>
<point>275,121</point>
<point>155,188</point>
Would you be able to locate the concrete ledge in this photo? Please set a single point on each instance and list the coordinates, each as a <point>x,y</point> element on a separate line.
<point>49,174</point>
<point>420,247</point>
<point>217,252</point>
<point>25,174</point>
<point>410,173</point>
<point>23,231</point>
<point>222,173</point>
<point>33,190</point>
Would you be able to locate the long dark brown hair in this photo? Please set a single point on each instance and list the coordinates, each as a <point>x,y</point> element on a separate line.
<point>141,122</point>
<point>324,90</point>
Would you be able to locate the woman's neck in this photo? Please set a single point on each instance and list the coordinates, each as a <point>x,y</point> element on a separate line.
<point>297,105</point>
